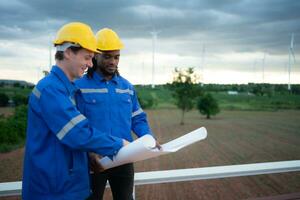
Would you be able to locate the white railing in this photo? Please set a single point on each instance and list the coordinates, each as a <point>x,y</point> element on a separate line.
<point>153,177</point>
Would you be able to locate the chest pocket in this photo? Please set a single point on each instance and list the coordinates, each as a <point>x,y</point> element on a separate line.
<point>124,106</point>
<point>124,96</point>
<point>94,98</point>
<point>124,99</point>
<point>95,105</point>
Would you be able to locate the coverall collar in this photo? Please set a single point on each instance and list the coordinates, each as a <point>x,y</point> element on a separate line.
<point>100,78</point>
<point>62,76</point>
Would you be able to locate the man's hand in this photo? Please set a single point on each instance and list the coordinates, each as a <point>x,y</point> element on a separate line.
<point>157,145</point>
<point>125,142</point>
<point>95,165</point>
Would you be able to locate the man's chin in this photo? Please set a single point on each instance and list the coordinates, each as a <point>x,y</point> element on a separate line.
<point>109,73</point>
<point>79,75</point>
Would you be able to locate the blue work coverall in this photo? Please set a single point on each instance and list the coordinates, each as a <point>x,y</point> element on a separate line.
<point>57,141</point>
<point>112,106</point>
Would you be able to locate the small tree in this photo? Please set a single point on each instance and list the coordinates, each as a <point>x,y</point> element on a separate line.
<point>207,105</point>
<point>20,99</point>
<point>185,90</point>
<point>13,129</point>
<point>3,99</point>
<point>16,84</point>
<point>147,100</point>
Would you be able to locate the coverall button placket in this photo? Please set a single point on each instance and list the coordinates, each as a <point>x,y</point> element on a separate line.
<point>110,97</point>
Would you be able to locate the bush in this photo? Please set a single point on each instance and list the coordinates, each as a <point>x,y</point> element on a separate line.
<point>3,99</point>
<point>20,99</point>
<point>147,100</point>
<point>207,105</point>
<point>16,84</point>
<point>13,129</point>
<point>295,89</point>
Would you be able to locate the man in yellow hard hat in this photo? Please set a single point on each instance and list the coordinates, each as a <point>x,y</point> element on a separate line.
<point>110,102</point>
<point>58,135</point>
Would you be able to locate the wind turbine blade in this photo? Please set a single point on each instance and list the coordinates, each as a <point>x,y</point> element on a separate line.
<point>292,41</point>
<point>292,52</point>
<point>152,24</point>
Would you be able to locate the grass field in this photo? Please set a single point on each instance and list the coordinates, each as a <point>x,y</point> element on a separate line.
<point>234,137</point>
<point>11,91</point>
<point>6,111</point>
<point>242,101</point>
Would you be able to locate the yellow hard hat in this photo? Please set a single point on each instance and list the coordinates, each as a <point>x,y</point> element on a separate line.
<point>108,40</point>
<point>77,33</point>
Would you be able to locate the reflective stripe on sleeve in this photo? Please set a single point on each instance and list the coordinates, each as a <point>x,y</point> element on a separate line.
<point>36,92</point>
<point>121,91</point>
<point>73,122</point>
<point>73,101</point>
<point>139,111</point>
<point>102,90</point>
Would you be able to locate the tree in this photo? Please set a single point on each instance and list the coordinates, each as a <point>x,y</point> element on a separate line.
<point>16,84</point>
<point>3,99</point>
<point>185,90</point>
<point>20,99</point>
<point>208,105</point>
<point>13,129</point>
<point>147,100</point>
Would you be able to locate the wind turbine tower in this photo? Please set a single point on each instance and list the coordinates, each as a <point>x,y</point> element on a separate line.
<point>50,47</point>
<point>291,53</point>
<point>202,64</point>
<point>253,68</point>
<point>263,68</point>
<point>154,34</point>
<point>50,53</point>
<point>154,39</point>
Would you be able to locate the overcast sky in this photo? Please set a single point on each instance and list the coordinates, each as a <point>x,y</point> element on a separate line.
<point>225,41</point>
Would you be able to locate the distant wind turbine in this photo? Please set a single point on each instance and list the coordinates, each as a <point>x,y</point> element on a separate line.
<point>154,34</point>
<point>202,64</point>
<point>143,69</point>
<point>50,52</point>
<point>50,46</point>
<point>263,67</point>
<point>291,53</point>
<point>254,76</point>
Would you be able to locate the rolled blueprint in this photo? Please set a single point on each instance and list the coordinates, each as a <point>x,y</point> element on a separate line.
<point>144,148</point>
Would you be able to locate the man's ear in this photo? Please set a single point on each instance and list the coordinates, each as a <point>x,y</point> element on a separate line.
<point>67,54</point>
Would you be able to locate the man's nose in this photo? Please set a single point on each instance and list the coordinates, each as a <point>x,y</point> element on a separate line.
<point>113,62</point>
<point>90,63</point>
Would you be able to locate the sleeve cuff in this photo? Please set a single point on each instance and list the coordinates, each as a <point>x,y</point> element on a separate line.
<point>118,144</point>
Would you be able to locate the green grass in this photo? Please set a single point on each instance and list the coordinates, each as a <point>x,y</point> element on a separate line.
<point>250,102</point>
<point>10,147</point>
<point>242,101</point>
<point>162,96</point>
<point>12,91</point>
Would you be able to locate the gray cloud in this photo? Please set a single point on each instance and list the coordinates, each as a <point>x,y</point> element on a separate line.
<point>239,26</point>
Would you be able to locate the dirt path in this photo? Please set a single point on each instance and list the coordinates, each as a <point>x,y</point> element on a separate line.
<point>233,138</point>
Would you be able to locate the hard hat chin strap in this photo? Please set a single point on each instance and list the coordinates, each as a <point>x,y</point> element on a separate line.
<point>66,45</point>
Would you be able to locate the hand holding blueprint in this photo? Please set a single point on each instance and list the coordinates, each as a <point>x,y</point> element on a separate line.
<point>144,148</point>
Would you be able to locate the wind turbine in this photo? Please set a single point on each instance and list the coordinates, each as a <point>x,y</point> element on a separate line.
<point>263,68</point>
<point>50,52</point>
<point>154,34</point>
<point>38,73</point>
<point>291,53</point>
<point>202,64</point>
<point>254,76</point>
<point>143,69</point>
<point>50,48</point>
